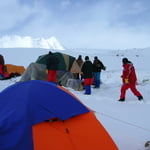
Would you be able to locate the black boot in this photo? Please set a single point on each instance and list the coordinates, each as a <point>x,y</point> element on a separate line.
<point>121,100</point>
<point>140,98</point>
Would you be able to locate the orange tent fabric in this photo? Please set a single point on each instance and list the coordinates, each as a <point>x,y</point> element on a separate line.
<point>13,68</point>
<point>82,132</point>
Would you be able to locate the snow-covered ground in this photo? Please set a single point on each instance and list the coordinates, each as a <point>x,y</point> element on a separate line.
<point>127,122</point>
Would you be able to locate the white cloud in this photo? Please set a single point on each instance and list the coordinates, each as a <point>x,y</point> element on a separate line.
<point>77,23</point>
<point>65,3</point>
<point>12,14</point>
<point>137,8</point>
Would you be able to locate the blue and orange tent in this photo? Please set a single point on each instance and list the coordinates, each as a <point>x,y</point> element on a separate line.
<point>38,115</point>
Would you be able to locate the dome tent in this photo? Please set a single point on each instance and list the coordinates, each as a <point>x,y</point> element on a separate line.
<point>26,107</point>
<point>66,62</point>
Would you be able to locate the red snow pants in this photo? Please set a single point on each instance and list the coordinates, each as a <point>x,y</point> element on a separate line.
<point>88,81</point>
<point>51,75</point>
<point>132,87</point>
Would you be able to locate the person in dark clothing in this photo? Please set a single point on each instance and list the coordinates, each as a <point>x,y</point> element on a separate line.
<point>87,70</point>
<point>97,67</point>
<point>52,66</point>
<point>129,80</point>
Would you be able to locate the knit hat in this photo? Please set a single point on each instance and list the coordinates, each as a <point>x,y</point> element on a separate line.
<point>86,57</point>
<point>125,60</point>
<point>50,53</point>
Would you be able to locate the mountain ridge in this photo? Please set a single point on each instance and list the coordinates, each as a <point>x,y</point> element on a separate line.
<point>15,41</point>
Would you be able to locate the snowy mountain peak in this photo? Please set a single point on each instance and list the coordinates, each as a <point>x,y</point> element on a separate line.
<point>16,41</point>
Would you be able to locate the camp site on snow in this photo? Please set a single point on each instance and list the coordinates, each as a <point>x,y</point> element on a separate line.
<point>45,115</point>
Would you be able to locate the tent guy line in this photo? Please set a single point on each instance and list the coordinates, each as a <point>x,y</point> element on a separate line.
<point>122,121</point>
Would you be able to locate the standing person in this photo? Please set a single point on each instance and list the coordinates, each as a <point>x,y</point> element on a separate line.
<point>129,80</point>
<point>3,69</point>
<point>87,70</point>
<point>2,62</point>
<point>80,60</point>
<point>1,65</point>
<point>80,63</point>
<point>52,66</point>
<point>97,67</point>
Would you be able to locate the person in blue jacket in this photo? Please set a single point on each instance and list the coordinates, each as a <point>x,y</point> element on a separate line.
<point>97,67</point>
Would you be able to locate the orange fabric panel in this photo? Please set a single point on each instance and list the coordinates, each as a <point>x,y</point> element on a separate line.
<point>83,132</point>
<point>13,68</point>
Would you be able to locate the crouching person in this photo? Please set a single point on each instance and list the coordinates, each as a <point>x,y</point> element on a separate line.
<point>87,70</point>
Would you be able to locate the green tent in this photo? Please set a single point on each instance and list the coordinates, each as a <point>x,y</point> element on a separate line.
<point>66,62</point>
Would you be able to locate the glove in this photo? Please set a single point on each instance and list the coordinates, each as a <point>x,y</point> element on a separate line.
<point>104,68</point>
<point>126,81</point>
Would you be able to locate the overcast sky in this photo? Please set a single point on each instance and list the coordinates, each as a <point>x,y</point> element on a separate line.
<point>106,24</point>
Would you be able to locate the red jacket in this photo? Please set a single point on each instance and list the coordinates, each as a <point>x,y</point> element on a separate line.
<point>1,69</point>
<point>129,73</point>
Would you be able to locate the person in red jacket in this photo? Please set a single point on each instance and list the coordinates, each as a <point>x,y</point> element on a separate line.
<point>129,80</point>
<point>1,64</point>
<point>3,69</point>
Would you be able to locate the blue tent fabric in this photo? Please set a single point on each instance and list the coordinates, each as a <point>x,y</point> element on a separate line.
<point>27,103</point>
